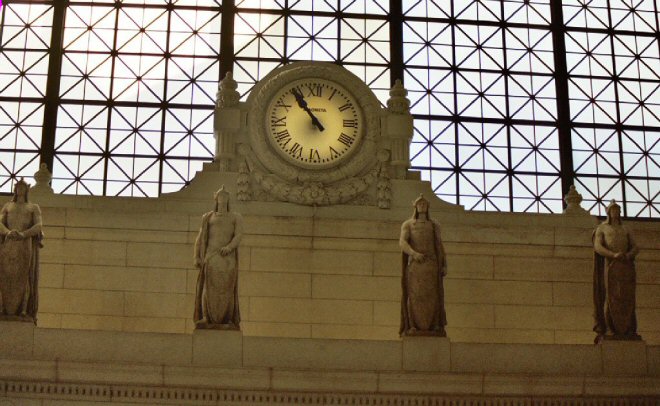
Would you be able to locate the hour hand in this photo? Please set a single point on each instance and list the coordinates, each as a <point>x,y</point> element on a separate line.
<point>303,105</point>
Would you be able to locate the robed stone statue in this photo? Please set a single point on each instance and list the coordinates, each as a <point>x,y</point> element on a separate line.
<point>216,257</point>
<point>20,241</point>
<point>424,266</point>
<point>614,279</point>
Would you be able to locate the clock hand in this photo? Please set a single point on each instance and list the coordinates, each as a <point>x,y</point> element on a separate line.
<point>303,105</point>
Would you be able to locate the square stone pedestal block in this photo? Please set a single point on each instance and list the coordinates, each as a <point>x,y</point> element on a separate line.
<point>623,357</point>
<point>426,354</point>
<point>218,348</point>
<point>16,339</point>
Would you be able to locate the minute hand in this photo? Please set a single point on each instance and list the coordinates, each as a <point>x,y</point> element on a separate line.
<point>303,105</point>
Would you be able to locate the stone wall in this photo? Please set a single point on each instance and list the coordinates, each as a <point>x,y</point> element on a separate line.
<point>126,264</point>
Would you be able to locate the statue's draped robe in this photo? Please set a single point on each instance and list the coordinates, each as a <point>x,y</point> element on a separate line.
<point>216,300</point>
<point>19,260</point>
<point>614,284</point>
<point>422,302</point>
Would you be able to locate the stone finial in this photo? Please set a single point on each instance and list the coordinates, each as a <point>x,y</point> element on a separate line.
<point>573,200</point>
<point>398,103</point>
<point>227,95</point>
<point>43,178</point>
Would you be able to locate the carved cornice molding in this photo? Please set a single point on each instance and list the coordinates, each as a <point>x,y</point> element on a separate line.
<point>12,391</point>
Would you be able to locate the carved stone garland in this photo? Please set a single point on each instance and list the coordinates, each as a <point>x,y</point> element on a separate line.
<point>311,193</point>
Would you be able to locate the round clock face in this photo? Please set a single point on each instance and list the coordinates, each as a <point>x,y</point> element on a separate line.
<point>314,123</point>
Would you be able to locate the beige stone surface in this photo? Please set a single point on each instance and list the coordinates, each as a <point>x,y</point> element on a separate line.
<point>356,287</point>
<point>622,386</point>
<point>543,317</point>
<point>154,324</point>
<point>470,267</point>
<point>501,335</point>
<point>129,220</point>
<point>311,261</point>
<point>498,292</point>
<point>498,235</point>
<point>84,252</point>
<point>377,245</point>
<point>327,272</point>
<point>16,338</point>
<point>648,296</point>
<point>414,382</point>
<point>334,381</point>
<point>262,329</point>
<point>81,302</point>
<point>243,378</point>
<point>157,255</point>
<point>84,345</point>
<point>144,304</point>
<point>27,369</point>
<point>525,358</point>
<point>653,360</point>
<point>533,385</point>
<point>387,264</point>
<point>648,319</point>
<point>321,354</point>
<point>91,322</point>
<point>540,269</point>
<point>126,279</point>
<point>49,320</point>
<point>110,373</point>
<point>51,275</point>
<point>354,332</point>
<point>123,234</point>
<point>471,315</point>
<point>574,336</point>
<point>274,284</point>
<point>623,357</point>
<point>647,272</point>
<point>217,348</point>
<point>572,294</point>
<point>426,354</point>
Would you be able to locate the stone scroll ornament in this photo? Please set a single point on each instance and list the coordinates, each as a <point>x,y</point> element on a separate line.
<point>614,279</point>
<point>216,257</point>
<point>424,266</point>
<point>20,241</point>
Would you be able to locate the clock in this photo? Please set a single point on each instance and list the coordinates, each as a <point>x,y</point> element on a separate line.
<point>313,134</point>
<point>314,123</point>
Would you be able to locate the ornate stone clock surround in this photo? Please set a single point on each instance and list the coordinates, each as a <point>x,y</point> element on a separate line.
<point>362,178</point>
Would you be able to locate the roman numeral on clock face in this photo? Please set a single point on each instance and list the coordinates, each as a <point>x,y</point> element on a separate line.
<point>333,153</point>
<point>350,123</point>
<point>283,137</point>
<point>314,90</point>
<point>296,150</point>
<point>278,122</point>
<point>346,139</point>
<point>314,155</point>
<point>281,104</point>
<point>345,107</point>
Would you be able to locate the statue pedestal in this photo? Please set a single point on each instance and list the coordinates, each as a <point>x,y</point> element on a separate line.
<point>425,353</point>
<point>623,357</point>
<point>16,338</point>
<point>218,347</point>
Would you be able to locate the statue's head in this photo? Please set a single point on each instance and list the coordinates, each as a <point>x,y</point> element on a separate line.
<point>21,190</point>
<point>421,206</point>
<point>613,213</point>
<point>221,199</point>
